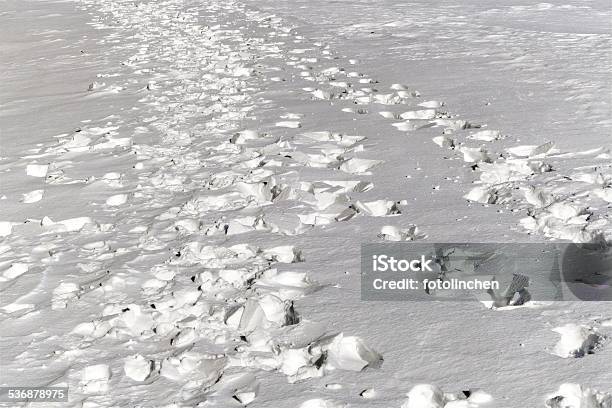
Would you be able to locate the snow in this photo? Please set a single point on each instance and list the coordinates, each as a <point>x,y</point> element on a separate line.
<point>37,170</point>
<point>137,367</point>
<point>186,187</point>
<point>576,341</point>
<point>425,396</point>
<point>95,378</point>
<point>570,395</point>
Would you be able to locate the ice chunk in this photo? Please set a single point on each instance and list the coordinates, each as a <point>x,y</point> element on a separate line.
<point>293,124</point>
<point>137,367</point>
<point>321,403</point>
<point>95,378</point>
<point>425,396</point>
<point>37,170</point>
<point>33,196</point>
<point>351,353</point>
<point>15,270</point>
<point>6,227</point>
<point>576,340</point>
<point>570,395</point>
<point>117,199</point>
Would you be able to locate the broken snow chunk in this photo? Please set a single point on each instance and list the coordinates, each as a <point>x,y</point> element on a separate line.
<point>565,211</point>
<point>322,403</point>
<point>233,317</point>
<point>245,397</point>
<point>536,196</point>
<point>92,330</point>
<point>200,370</point>
<point>112,176</point>
<point>184,337</point>
<point>570,395</point>
<point>135,321</point>
<point>33,196</point>
<point>399,87</point>
<point>411,125</point>
<point>290,115</point>
<point>296,361</point>
<point>419,114</point>
<point>320,94</point>
<point>15,270</point>
<point>18,307</point>
<point>352,354</point>
<point>268,311</point>
<point>322,136</point>
<point>95,378</point>
<point>245,135</point>
<point>431,104</point>
<point>479,397</point>
<point>378,208</point>
<point>111,143</point>
<point>188,225</point>
<point>604,194</point>
<point>116,200</point>
<point>388,115</point>
<point>258,191</point>
<point>285,279</point>
<point>278,311</point>
<point>64,293</point>
<point>480,194</point>
<point>243,71</point>
<point>293,124</point>
<point>151,286</point>
<point>486,135</point>
<point>475,154</point>
<point>95,85</point>
<point>425,396</point>
<point>392,233</point>
<point>444,141</point>
<point>214,256</point>
<point>406,94</point>
<point>236,277</point>
<point>252,317</point>
<point>358,166</point>
<point>69,225</point>
<point>6,227</point>
<point>368,393</point>
<point>37,170</point>
<point>385,99</point>
<point>137,367</point>
<point>531,150</point>
<point>284,254</point>
<point>163,273</point>
<point>576,341</point>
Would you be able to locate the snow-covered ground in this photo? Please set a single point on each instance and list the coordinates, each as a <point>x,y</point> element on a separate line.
<point>186,185</point>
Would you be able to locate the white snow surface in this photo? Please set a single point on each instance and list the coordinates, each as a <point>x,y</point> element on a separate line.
<point>186,185</point>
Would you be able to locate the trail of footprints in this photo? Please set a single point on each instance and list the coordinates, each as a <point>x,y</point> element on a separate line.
<point>216,308</point>
<point>560,201</point>
<point>202,178</point>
